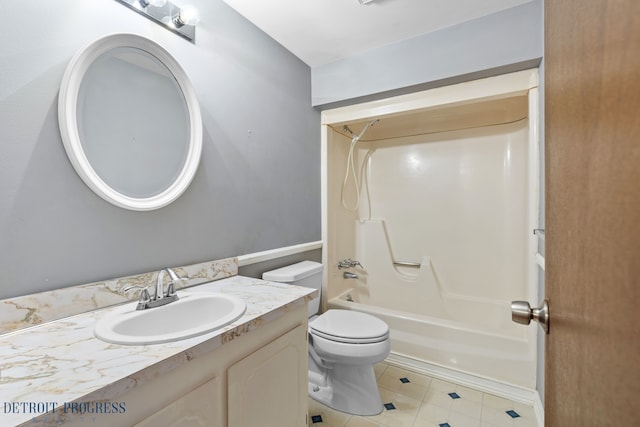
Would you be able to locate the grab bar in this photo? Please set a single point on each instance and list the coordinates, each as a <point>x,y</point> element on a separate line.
<point>407,264</point>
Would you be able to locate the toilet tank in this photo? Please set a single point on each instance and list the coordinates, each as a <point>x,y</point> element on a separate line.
<point>305,273</point>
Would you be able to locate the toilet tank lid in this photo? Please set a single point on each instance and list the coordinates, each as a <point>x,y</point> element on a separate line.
<point>293,272</point>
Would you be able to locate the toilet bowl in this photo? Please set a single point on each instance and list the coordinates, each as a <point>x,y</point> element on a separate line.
<point>343,347</point>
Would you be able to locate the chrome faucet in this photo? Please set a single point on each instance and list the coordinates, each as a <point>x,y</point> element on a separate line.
<point>144,299</point>
<point>348,275</point>
<point>161,297</point>
<point>160,294</point>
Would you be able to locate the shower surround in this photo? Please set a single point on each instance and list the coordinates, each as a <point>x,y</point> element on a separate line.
<point>436,194</point>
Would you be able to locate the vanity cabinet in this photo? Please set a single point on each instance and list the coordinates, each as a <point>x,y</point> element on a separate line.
<point>265,388</point>
<point>259,378</point>
<point>198,408</point>
<point>256,376</point>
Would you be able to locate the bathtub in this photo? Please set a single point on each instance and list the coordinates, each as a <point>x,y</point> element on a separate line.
<point>500,357</point>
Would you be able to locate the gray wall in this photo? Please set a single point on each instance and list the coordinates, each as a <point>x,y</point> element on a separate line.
<point>258,185</point>
<point>506,41</point>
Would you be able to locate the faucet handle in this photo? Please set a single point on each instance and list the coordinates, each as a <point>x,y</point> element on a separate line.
<point>174,276</point>
<point>144,294</point>
<point>345,263</point>
<point>349,263</point>
<point>171,290</point>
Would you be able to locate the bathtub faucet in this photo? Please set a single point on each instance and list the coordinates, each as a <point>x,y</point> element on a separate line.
<point>348,275</point>
<point>349,263</point>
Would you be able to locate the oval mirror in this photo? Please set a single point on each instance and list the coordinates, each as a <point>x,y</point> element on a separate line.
<point>130,122</point>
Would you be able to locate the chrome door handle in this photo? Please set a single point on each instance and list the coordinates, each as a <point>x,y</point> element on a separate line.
<point>521,312</point>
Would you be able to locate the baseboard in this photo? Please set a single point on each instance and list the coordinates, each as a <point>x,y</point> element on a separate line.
<point>538,408</point>
<point>507,391</point>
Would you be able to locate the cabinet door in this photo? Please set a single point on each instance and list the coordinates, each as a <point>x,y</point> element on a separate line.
<point>198,408</point>
<point>268,388</point>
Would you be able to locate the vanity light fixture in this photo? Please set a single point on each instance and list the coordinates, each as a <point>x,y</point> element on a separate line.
<point>181,21</point>
<point>155,3</point>
<point>186,16</point>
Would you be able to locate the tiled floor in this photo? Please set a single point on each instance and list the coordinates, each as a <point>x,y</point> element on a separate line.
<point>421,401</point>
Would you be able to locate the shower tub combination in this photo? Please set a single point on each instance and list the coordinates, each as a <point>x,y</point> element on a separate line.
<point>436,195</point>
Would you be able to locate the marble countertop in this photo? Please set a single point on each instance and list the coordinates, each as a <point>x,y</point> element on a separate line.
<point>61,361</point>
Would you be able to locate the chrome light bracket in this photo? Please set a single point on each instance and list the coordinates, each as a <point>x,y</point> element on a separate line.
<point>162,15</point>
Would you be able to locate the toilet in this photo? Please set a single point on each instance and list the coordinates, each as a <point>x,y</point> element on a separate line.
<point>343,347</point>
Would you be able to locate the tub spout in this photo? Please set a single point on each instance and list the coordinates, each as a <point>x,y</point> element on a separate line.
<point>348,275</point>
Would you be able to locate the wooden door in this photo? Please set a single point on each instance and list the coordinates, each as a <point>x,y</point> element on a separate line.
<point>592,114</point>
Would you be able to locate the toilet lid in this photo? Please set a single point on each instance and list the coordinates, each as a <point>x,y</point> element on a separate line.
<point>349,327</point>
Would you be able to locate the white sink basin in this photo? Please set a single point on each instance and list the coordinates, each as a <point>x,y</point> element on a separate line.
<point>194,313</point>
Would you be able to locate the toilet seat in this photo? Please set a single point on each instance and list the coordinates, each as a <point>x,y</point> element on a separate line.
<point>349,327</point>
<point>345,340</point>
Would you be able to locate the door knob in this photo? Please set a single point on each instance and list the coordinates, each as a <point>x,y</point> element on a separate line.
<point>521,312</point>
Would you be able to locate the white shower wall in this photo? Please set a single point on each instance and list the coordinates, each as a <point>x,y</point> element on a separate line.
<point>459,198</point>
<point>449,183</point>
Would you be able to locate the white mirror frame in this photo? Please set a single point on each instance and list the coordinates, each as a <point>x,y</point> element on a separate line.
<point>67,118</point>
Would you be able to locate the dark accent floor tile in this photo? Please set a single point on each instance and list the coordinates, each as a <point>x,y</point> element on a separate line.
<point>513,414</point>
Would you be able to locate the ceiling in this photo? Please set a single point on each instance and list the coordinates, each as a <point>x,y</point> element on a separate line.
<point>323,31</point>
